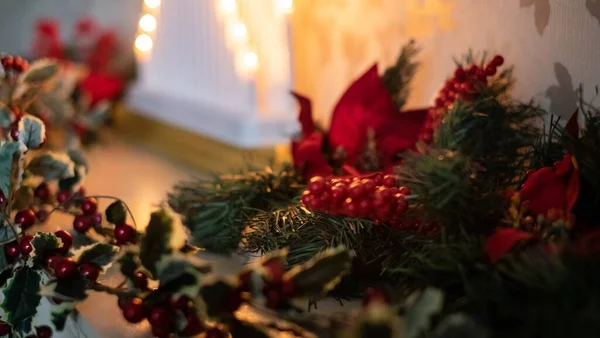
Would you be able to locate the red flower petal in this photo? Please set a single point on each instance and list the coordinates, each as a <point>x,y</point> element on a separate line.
<point>399,133</point>
<point>305,116</point>
<point>502,241</point>
<point>308,156</point>
<point>102,87</point>
<point>572,126</point>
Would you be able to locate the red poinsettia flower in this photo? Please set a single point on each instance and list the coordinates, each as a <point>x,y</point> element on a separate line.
<point>104,51</point>
<point>554,187</point>
<point>309,158</point>
<point>502,241</point>
<point>85,26</point>
<point>99,87</point>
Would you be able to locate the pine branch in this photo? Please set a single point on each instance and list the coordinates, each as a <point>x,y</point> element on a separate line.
<point>397,78</point>
<point>215,211</point>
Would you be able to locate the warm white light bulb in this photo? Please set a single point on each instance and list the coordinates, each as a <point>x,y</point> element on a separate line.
<point>239,32</point>
<point>284,6</point>
<point>250,60</point>
<point>148,23</point>
<point>152,3</point>
<point>143,43</point>
<point>227,6</point>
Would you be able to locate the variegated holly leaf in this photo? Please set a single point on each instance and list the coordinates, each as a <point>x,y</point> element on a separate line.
<point>6,117</point>
<point>52,166</point>
<point>40,71</point>
<point>32,131</point>
<point>101,254</point>
<point>7,234</point>
<point>116,213</point>
<point>21,298</point>
<point>9,152</point>
<point>78,157</point>
<point>419,316</point>
<point>71,290</point>
<point>74,182</point>
<point>43,243</point>
<point>60,313</point>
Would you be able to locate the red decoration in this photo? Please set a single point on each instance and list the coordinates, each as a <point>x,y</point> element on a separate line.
<point>102,86</point>
<point>554,187</point>
<point>502,241</point>
<point>366,107</point>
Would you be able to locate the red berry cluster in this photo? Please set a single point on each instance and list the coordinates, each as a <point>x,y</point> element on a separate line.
<point>88,217</point>
<point>462,85</point>
<point>277,290</point>
<point>15,64</point>
<point>40,331</point>
<point>163,316</point>
<point>376,198</point>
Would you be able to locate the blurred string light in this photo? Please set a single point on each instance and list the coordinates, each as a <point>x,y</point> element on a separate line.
<point>152,3</point>
<point>284,6</point>
<point>147,24</point>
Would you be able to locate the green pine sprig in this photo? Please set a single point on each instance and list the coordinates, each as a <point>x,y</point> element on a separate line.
<point>397,78</point>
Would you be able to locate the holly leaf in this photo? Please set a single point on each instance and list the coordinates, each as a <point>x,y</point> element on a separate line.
<point>60,313</point>
<point>78,157</point>
<point>32,131</point>
<point>164,234</point>
<point>72,183</point>
<point>61,109</point>
<point>418,317</point>
<point>8,152</point>
<point>216,297</point>
<point>101,254</point>
<point>52,166</point>
<point>320,274</point>
<point>6,233</point>
<point>40,71</point>
<point>21,298</point>
<point>173,266</point>
<point>43,243</point>
<point>116,213</point>
<point>129,264</point>
<point>73,289</point>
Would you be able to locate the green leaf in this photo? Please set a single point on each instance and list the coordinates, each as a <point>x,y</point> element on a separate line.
<point>21,298</point>
<point>116,213</point>
<point>129,263</point>
<point>418,317</point>
<point>72,289</point>
<point>52,166</point>
<point>40,71</point>
<point>6,232</point>
<point>101,254</point>
<point>216,296</point>
<point>8,152</point>
<point>43,243</point>
<point>320,274</point>
<point>71,183</point>
<point>164,235</point>
<point>61,109</point>
<point>32,131</point>
<point>5,117</point>
<point>173,266</point>
<point>78,157</point>
<point>60,313</point>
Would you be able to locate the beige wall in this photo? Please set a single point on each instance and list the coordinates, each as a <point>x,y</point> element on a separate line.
<point>336,40</point>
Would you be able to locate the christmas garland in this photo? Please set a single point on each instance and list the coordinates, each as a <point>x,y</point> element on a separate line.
<point>467,196</point>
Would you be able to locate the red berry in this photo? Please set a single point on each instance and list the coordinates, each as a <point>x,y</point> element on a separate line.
<point>52,260</point>
<point>160,316</point>
<point>81,192</point>
<point>2,197</point>
<point>404,191</point>
<point>401,205</point>
<point>378,178</point>
<point>25,244</point>
<point>63,196</point>
<point>350,208</point>
<point>162,331</point>
<point>273,298</point>
<point>42,191</point>
<point>25,218</point>
<point>468,87</point>
<point>65,268</point>
<point>133,310</point>
<point>365,208</point>
<point>97,219</point>
<point>356,190</point>
<point>384,214</point>
<point>89,206</point>
<point>460,73</point>
<point>439,102</point>
<point>490,70</point>
<point>481,75</point>
<point>274,269</point>
<point>43,332</point>
<point>369,185</point>
<point>5,328</point>
<point>324,199</point>
<point>90,271</point>
<point>82,223</point>
<point>306,197</point>
<point>339,193</point>
<point>375,295</point>
<point>140,280</point>
<point>125,233</point>
<point>316,185</point>
<point>14,133</point>
<point>314,204</point>
<point>389,181</point>
<point>287,289</point>
<point>67,240</point>
<point>12,250</point>
<point>473,69</point>
<point>498,60</point>
<point>384,193</point>
<point>193,326</point>
<point>42,215</point>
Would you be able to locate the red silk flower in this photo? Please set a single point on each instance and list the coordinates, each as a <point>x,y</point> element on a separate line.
<point>502,241</point>
<point>554,187</point>
<point>46,41</point>
<point>365,106</point>
<point>100,86</point>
